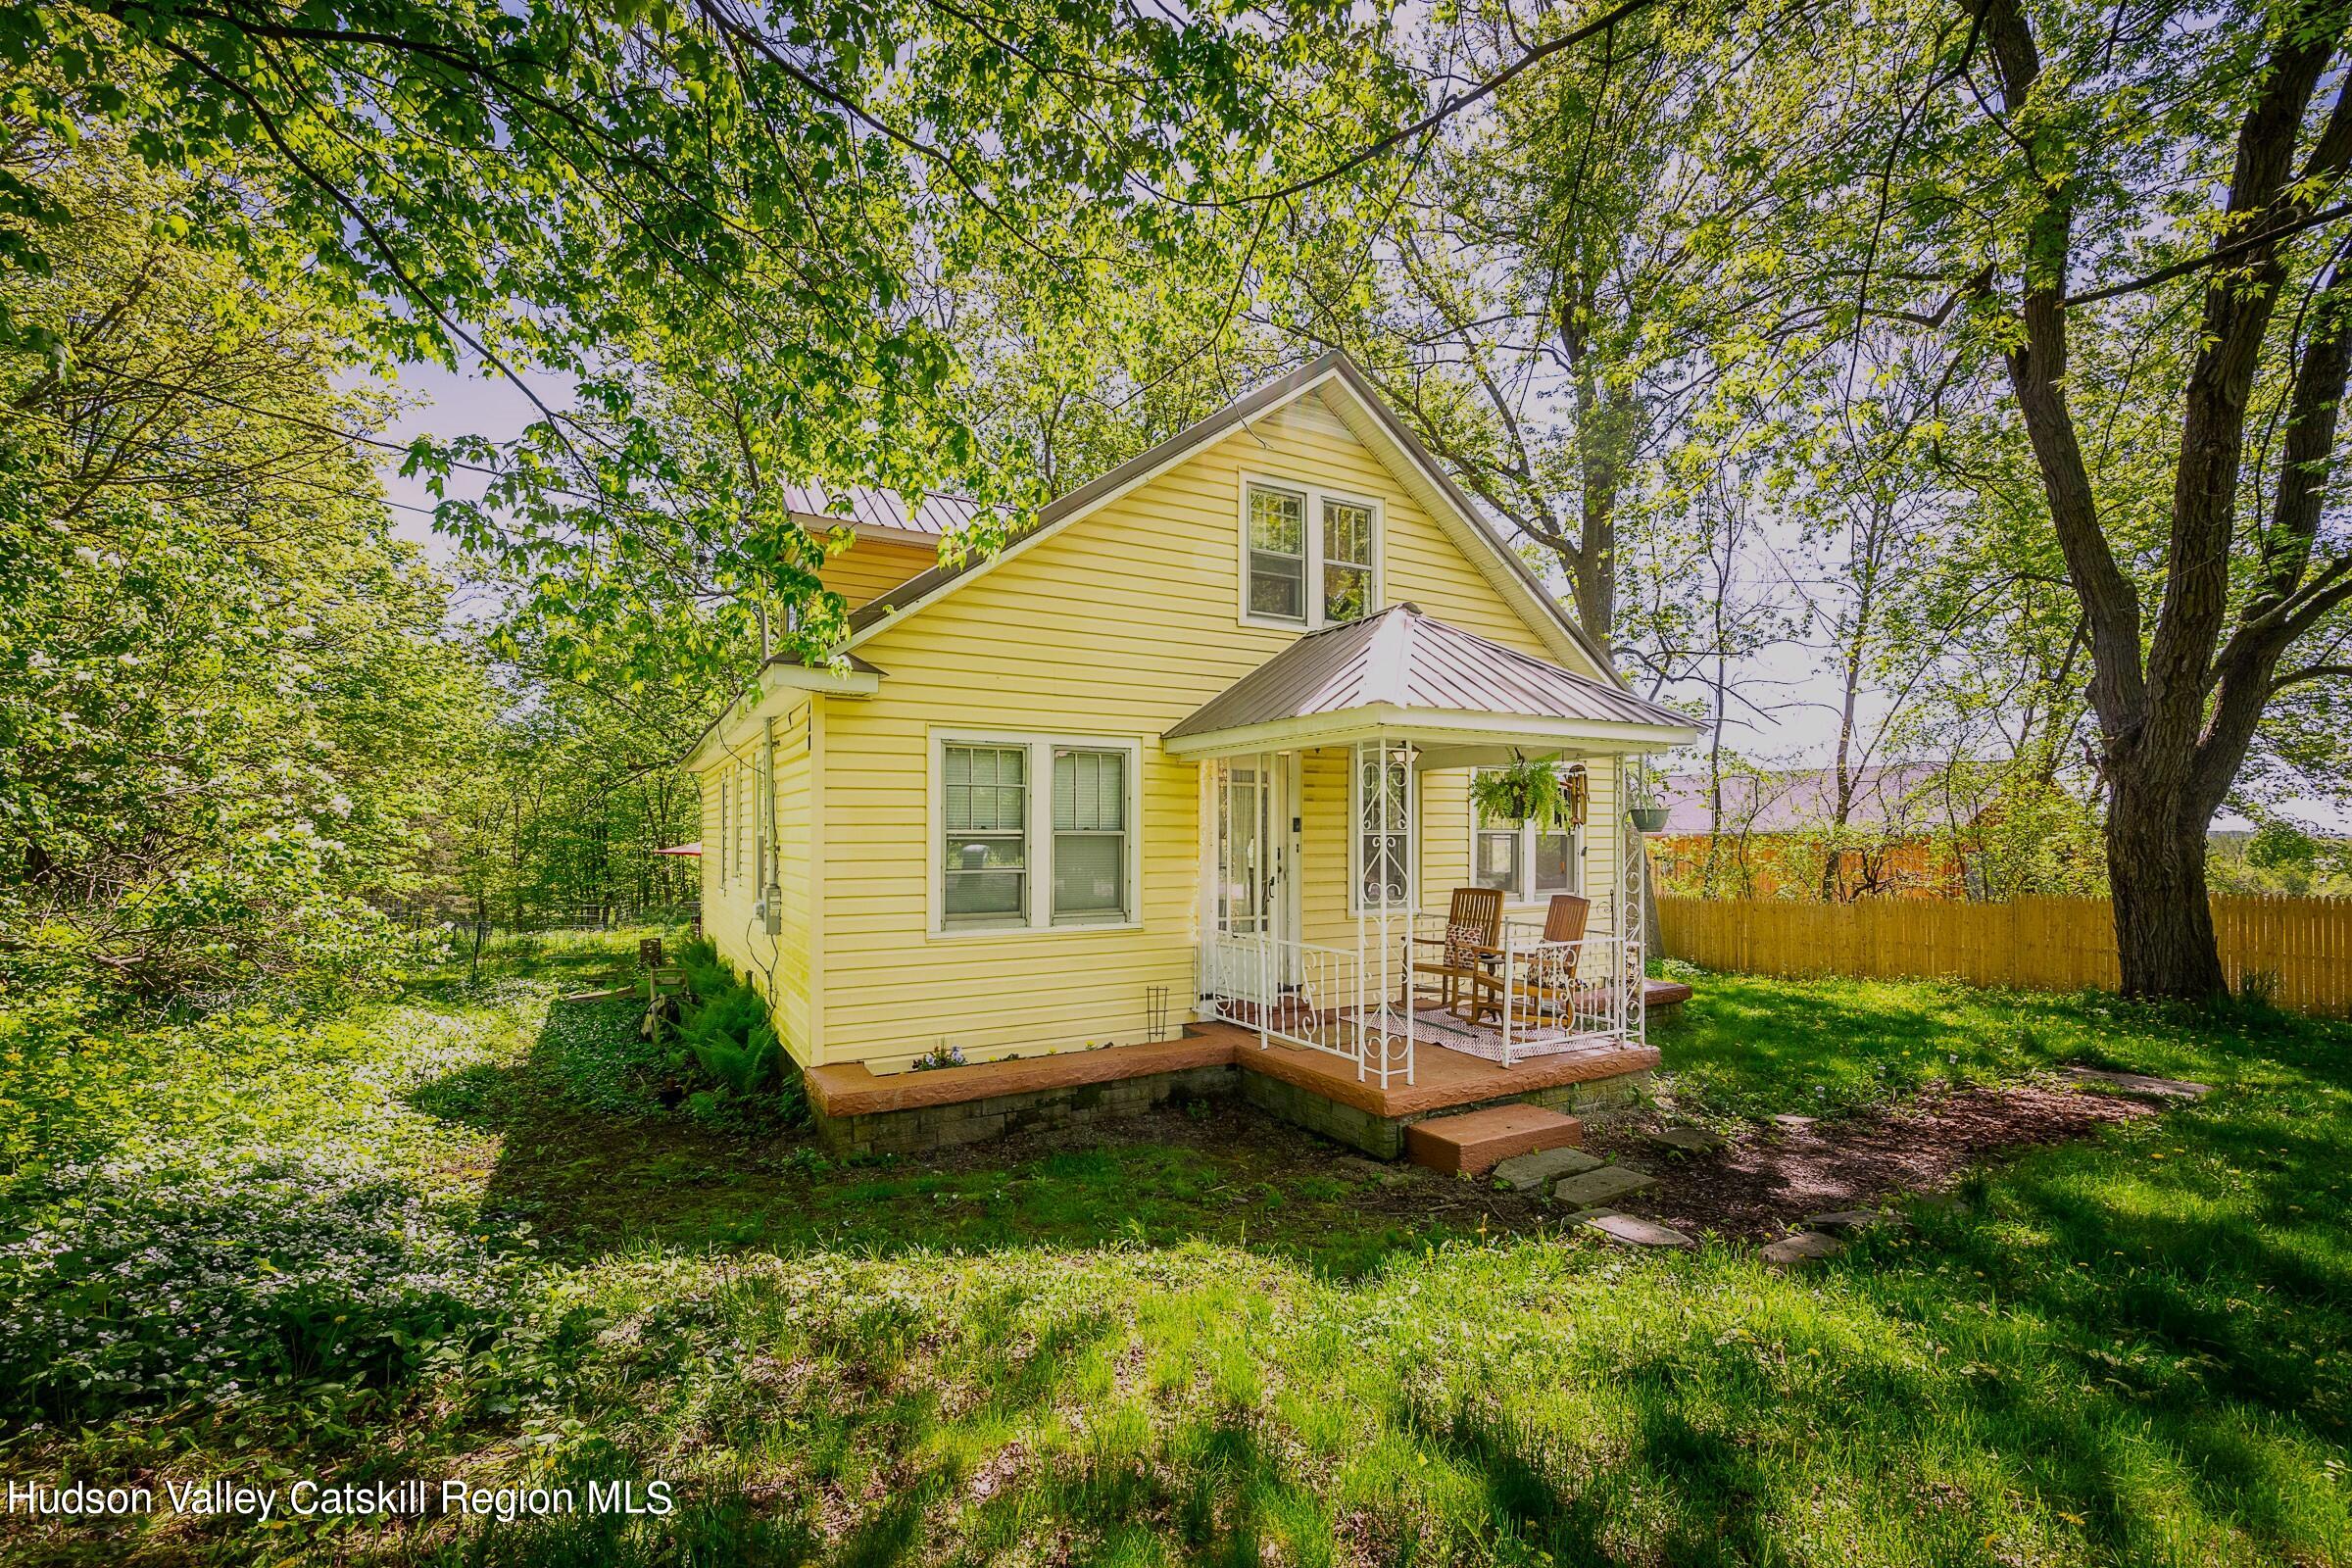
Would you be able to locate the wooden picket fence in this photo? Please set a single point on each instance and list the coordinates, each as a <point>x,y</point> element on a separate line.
<point>2299,948</point>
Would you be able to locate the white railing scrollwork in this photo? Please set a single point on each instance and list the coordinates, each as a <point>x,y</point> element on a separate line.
<point>1529,996</point>
<point>1340,1000</point>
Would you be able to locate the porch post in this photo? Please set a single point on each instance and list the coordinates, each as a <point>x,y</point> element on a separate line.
<point>1632,940</point>
<point>1380,782</point>
<point>1265,997</point>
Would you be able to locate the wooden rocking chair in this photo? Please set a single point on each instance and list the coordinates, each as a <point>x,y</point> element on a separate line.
<point>1473,927</point>
<point>1546,983</point>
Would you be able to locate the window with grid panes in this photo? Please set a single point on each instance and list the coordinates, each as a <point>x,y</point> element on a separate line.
<point>984,794</point>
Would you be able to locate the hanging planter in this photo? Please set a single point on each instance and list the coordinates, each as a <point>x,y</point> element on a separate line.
<point>1648,815</point>
<point>1539,792</point>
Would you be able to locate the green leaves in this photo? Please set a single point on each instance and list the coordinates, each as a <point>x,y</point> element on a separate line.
<point>725,216</point>
<point>223,684</point>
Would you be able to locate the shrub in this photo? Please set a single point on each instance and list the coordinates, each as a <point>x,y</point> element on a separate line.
<point>265,921</point>
<point>727,1035</point>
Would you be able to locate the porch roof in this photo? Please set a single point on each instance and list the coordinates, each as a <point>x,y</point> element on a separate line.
<point>1406,674</point>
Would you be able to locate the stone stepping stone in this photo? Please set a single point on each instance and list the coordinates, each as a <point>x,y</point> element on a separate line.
<point>2138,1085</point>
<point>1631,1230</point>
<point>1850,1220</point>
<point>1687,1140</point>
<point>1808,1247</point>
<point>1789,1122</point>
<point>1523,1173</point>
<point>1603,1186</point>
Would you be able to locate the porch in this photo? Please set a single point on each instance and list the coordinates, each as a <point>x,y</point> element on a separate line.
<point>858,1111</point>
<point>1354,895</point>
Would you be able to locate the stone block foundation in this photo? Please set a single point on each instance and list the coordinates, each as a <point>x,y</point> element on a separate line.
<point>911,1112</point>
<point>972,1121</point>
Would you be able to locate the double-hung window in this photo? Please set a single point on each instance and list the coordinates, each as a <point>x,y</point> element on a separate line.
<point>1527,864</point>
<point>984,793</point>
<point>1346,536</point>
<point>1497,855</point>
<point>1090,836</point>
<point>1276,566</point>
<point>1309,559</point>
<point>1036,833</point>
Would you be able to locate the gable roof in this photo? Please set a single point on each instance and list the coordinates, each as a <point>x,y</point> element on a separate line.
<point>1368,417</point>
<point>1401,660</point>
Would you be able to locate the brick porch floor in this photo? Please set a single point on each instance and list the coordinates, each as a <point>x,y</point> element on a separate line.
<point>1442,1079</point>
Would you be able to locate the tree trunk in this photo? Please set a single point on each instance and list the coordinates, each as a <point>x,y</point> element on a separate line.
<point>2164,935</point>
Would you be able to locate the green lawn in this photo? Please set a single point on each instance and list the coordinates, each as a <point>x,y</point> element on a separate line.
<point>458,1235</point>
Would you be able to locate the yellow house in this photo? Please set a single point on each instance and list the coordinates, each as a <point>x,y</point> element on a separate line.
<point>1188,760</point>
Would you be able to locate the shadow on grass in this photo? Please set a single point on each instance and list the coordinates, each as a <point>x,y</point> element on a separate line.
<point>591,1159</point>
<point>1749,1046</point>
<point>2124,1354</point>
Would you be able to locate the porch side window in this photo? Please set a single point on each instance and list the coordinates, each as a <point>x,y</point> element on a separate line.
<point>1277,554</point>
<point>1556,862</point>
<point>1346,561</point>
<point>984,791</point>
<point>1384,794</point>
<point>1495,854</point>
<point>1526,863</point>
<point>1090,836</point>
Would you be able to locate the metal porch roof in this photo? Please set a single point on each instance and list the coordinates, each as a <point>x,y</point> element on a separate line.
<point>1403,660</point>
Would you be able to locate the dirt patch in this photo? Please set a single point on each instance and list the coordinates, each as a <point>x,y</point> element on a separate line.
<point>1770,1177</point>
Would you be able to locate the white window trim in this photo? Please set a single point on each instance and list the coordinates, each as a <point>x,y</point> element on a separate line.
<point>1356,904</point>
<point>1531,899</point>
<point>1315,495</point>
<point>1037,833</point>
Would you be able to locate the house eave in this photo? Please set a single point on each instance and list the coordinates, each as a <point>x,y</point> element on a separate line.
<point>1448,726</point>
<point>781,685</point>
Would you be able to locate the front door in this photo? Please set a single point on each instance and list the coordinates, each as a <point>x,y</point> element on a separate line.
<point>1250,855</point>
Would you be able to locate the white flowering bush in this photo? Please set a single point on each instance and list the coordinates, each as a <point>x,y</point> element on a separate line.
<point>158,1279</point>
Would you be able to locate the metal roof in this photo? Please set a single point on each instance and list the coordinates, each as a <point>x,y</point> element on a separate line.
<point>865,507</point>
<point>1403,660</point>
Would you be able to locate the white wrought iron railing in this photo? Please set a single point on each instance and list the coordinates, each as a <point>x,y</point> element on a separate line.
<point>1538,997</point>
<point>1341,1001</point>
<point>1536,994</point>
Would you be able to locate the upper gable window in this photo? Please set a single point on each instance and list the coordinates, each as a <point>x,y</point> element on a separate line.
<point>1309,559</point>
<point>1277,566</point>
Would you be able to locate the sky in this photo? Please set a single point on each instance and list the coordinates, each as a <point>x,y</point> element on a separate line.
<point>444,403</point>
<point>1799,728</point>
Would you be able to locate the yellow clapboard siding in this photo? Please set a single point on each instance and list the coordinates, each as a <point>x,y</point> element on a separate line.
<point>1119,626</point>
<point>872,567</point>
<point>783,965</point>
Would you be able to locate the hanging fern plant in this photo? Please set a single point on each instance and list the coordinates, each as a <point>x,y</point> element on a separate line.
<point>1534,791</point>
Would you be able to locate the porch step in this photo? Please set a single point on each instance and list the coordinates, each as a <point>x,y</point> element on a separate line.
<point>1480,1140</point>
